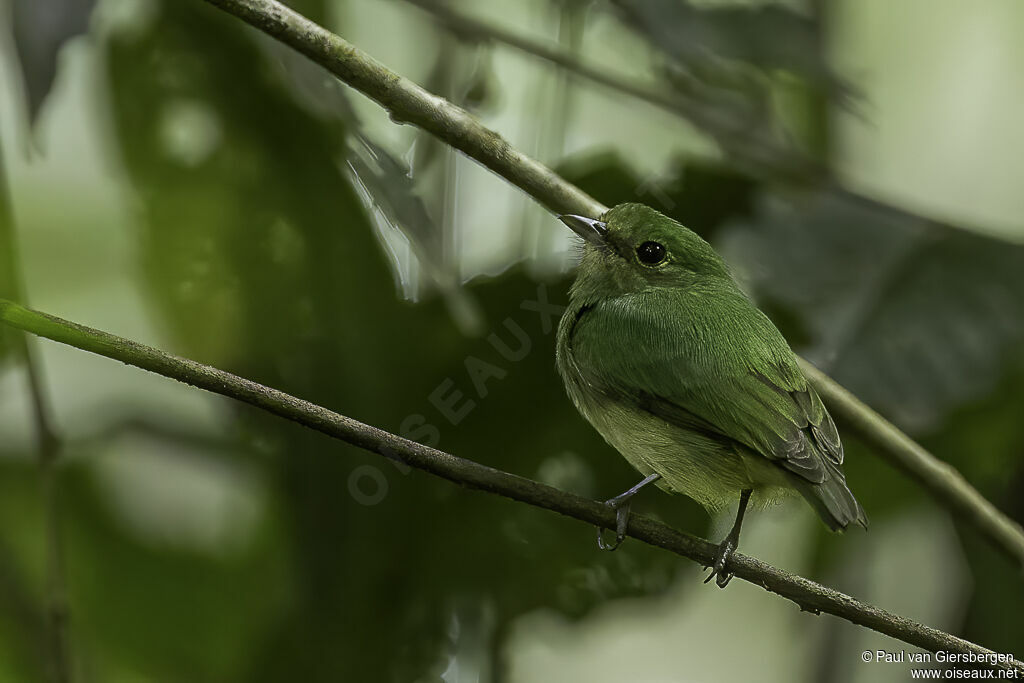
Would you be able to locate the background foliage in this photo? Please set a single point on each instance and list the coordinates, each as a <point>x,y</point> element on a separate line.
<point>178,179</point>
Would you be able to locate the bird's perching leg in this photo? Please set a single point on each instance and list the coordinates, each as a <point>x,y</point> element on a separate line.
<point>726,547</point>
<point>620,504</point>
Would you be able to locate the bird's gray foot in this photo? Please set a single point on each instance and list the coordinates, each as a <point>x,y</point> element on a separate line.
<point>725,551</point>
<point>620,504</point>
<point>621,522</point>
<point>727,547</point>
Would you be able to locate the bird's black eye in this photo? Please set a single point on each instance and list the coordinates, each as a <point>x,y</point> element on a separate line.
<point>650,253</point>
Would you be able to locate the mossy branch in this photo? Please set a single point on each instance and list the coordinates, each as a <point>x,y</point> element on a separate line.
<point>808,595</point>
<point>407,102</point>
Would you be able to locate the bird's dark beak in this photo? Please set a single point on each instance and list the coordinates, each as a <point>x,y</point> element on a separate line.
<point>591,230</point>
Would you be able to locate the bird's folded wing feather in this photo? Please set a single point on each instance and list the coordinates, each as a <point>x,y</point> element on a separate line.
<point>728,377</point>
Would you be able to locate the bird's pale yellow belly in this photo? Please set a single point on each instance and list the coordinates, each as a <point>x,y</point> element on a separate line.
<point>689,463</point>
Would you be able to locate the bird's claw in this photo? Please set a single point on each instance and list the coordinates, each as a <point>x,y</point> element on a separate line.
<point>621,522</point>
<point>725,551</point>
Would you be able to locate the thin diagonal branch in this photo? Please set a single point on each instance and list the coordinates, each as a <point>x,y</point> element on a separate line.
<point>810,596</point>
<point>939,478</point>
<point>407,102</point>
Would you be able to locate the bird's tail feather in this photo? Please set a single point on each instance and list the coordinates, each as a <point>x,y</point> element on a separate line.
<point>832,499</point>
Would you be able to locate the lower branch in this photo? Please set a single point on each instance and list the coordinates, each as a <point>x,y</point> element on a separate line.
<point>810,596</point>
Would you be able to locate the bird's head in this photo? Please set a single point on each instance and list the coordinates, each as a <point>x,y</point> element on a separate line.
<point>633,248</point>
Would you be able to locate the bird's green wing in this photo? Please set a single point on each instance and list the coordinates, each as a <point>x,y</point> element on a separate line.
<point>709,362</point>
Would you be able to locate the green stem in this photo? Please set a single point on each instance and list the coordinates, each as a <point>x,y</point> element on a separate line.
<point>48,447</point>
<point>810,596</point>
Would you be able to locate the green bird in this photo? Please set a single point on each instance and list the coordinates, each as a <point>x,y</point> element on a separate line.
<point>677,369</point>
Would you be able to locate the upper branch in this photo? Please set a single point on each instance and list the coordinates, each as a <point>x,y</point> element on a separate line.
<point>939,478</point>
<point>810,596</point>
<point>408,102</point>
